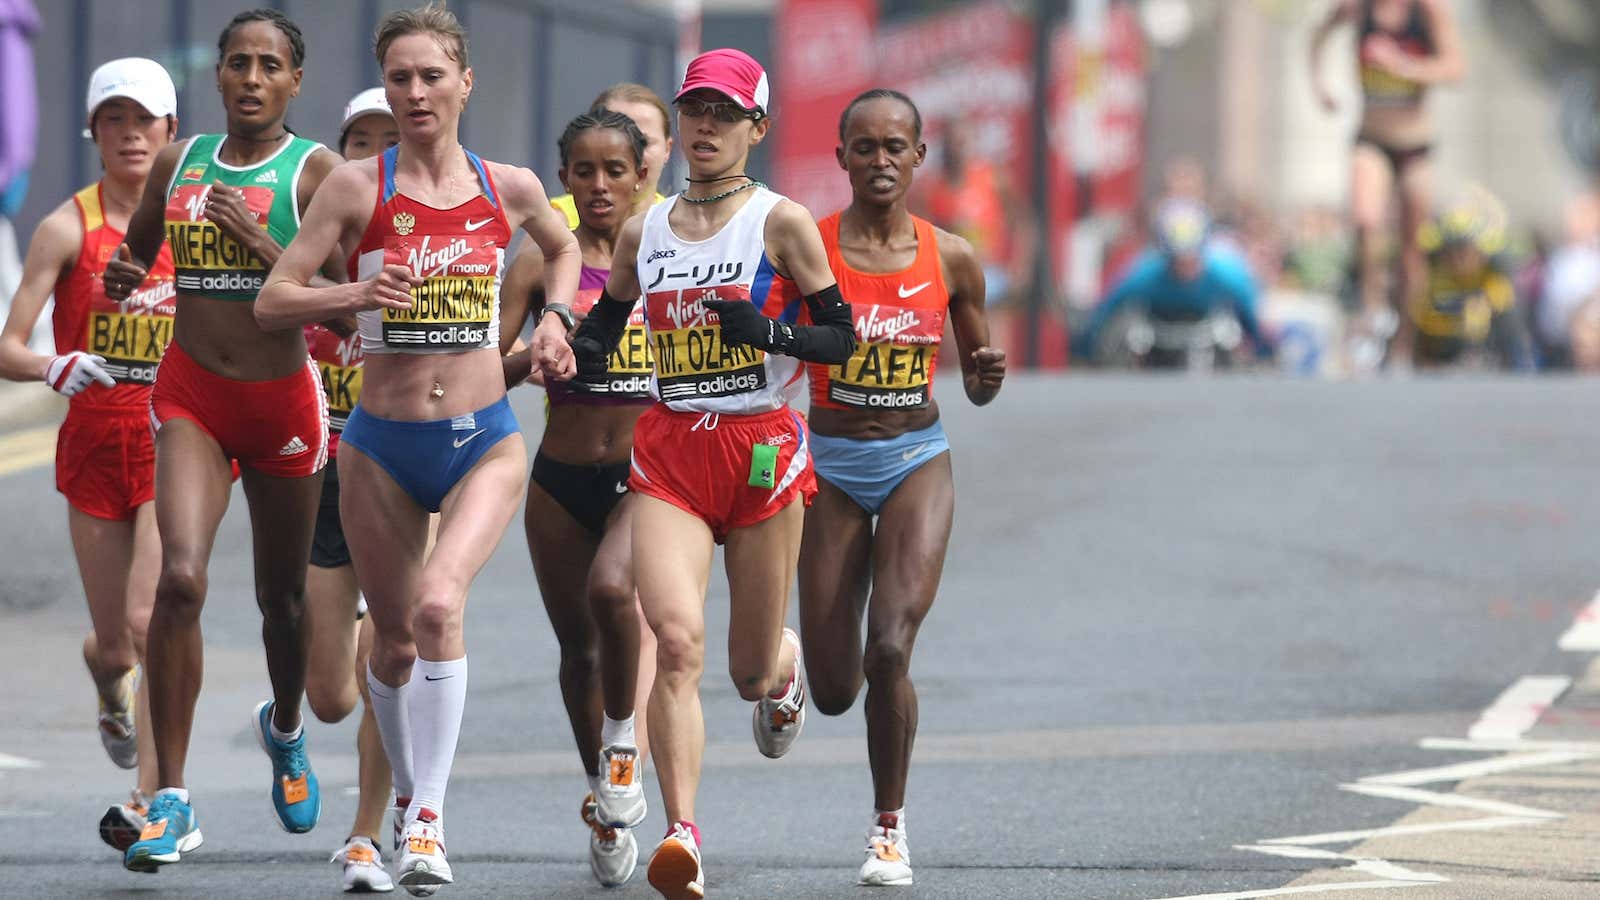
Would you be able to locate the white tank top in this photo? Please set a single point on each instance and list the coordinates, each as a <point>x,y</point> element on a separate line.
<point>694,371</point>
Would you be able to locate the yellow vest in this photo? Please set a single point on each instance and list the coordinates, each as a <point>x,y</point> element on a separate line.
<point>568,207</point>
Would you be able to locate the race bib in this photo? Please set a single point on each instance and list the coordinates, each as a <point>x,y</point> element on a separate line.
<point>207,260</point>
<point>339,363</point>
<point>691,359</point>
<point>454,306</point>
<point>628,369</point>
<point>893,359</point>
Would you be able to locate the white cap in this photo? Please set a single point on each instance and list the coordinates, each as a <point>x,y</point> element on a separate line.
<point>141,80</point>
<point>371,100</point>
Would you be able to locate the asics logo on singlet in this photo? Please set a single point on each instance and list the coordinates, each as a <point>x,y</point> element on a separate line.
<point>659,254</point>
<point>912,292</point>
<point>270,176</point>
<point>871,328</point>
<point>474,226</point>
<point>427,262</point>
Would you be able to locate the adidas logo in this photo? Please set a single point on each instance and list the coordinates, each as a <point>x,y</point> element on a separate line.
<point>294,447</point>
<point>270,176</point>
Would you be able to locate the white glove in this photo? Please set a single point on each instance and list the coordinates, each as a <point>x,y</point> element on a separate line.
<point>70,373</point>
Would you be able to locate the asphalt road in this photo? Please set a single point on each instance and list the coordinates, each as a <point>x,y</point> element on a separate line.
<point>1176,615</point>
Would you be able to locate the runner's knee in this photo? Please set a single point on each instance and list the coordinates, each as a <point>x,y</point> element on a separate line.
<point>181,590</point>
<point>391,659</point>
<point>679,652</point>
<point>438,616</point>
<point>887,658</point>
<point>832,689</point>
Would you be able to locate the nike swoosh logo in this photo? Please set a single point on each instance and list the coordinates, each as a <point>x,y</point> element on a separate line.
<point>462,442</point>
<point>913,291</point>
<point>474,226</point>
<point>622,487</point>
<point>914,452</point>
<point>440,678</point>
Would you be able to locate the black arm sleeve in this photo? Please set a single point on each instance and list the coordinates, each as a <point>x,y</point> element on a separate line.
<point>830,340</point>
<point>600,332</point>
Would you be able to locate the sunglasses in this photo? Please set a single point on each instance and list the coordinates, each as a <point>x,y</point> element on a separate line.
<point>723,111</point>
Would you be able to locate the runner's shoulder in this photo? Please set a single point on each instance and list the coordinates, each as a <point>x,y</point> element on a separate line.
<point>60,232</point>
<point>957,256</point>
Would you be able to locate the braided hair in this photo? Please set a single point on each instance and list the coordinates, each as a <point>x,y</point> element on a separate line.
<point>297,43</point>
<point>600,118</point>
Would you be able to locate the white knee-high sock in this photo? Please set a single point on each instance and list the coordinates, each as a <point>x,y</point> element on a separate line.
<point>389,708</point>
<point>436,701</point>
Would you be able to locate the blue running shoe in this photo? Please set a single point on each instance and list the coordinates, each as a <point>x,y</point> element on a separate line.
<point>295,794</point>
<point>169,832</point>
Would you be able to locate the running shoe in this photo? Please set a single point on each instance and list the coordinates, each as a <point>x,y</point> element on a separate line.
<point>117,732</point>
<point>675,869</point>
<point>613,852</point>
<point>888,857</point>
<point>170,832</point>
<point>295,794</point>
<point>620,795</point>
<point>121,824</point>
<point>363,867</point>
<point>400,806</point>
<point>423,867</point>
<point>777,722</point>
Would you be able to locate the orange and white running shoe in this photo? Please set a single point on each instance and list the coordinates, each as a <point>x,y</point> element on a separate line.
<point>888,857</point>
<point>361,865</point>
<point>613,852</point>
<point>620,794</point>
<point>117,732</point>
<point>777,722</point>
<point>121,824</point>
<point>422,867</point>
<point>675,869</point>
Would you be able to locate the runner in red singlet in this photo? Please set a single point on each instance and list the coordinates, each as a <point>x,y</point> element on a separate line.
<point>881,452</point>
<point>425,227</point>
<point>106,358</point>
<point>577,520</point>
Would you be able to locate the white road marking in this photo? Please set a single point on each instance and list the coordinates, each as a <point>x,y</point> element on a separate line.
<point>1519,707</point>
<point>7,761</point>
<point>1475,769</point>
<point>1291,851</point>
<point>1521,745</point>
<point>1350,837</point>
<point>1584,635</point>
<point>1305,889</point>
<point>1455,801</point>
<point>1385,869</point>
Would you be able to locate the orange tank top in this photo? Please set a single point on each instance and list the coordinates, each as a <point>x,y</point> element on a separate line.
<point>131,334</point>
<point>899,324</point>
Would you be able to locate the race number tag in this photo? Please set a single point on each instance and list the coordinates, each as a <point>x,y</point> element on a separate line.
<point>691,359</point>
<point>208,261</point>
<point>627,374</point>
<point>131,334</point>
<point>892,360</point>
<point>454,306</point>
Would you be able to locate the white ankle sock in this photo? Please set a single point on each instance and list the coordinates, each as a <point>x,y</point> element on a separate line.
<point>616,731</point>
<point>437,699</point>
<point>285,737</point>
<point>394,727</point>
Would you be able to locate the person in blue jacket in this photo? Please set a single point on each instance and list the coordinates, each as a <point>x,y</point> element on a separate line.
<point>1183,277</point>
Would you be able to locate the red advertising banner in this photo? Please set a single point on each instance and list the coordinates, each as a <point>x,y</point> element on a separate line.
<point>823,53</point>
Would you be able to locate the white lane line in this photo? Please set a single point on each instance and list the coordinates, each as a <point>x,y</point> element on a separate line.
<point>1476,768</point>
<point>1584,635</point>
<point>7,761</point>
<point>1519,707</point>
<point>1518,745</point>
<point>1290,851</point>
<point>1305,889</point>
<point>1385,869</point>
<point>1350,837</point>
<point>1455,801</point>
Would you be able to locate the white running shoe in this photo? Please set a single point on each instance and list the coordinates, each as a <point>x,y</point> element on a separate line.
<point>117,733</point>
<point>422,866</point>
<point>888,857</point>
<point>121,824</point>
<point>777,723</point>
<point>675,869</point>
<point>613,852</point>
<point>620,794</point>
<point>399,820</point>
<point>363,867</point>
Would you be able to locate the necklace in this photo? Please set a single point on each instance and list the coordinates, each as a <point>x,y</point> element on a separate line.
<point>725,194</point>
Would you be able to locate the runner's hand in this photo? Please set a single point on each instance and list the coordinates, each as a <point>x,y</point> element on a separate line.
<point>226,207</point>
<point>991,362</point>
<point>389,289</point>
<point>743,324</point>
<point>555,353</point>
<point>70,373</point>
<point>123,274</point>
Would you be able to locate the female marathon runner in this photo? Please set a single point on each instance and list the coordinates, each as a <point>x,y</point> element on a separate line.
<point>226,390</point>
<point>649,112</point>
<point>426,225</point>
<point>577,516</point>
<point>106,358</point>
<point>335,672</point>
<point>1403,48</point>
<point>880,451</point>
<point>721,458</point>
